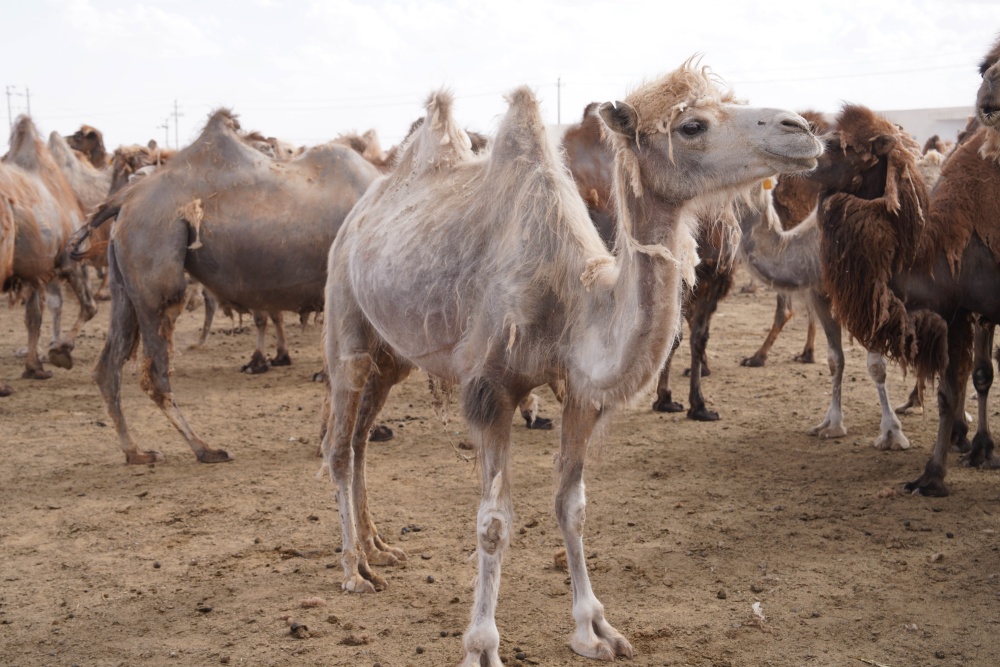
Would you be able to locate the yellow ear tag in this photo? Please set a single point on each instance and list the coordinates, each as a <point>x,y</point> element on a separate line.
<point>768,184</point>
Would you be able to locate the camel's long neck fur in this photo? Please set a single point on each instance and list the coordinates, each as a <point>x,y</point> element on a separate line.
<point>634,298</point>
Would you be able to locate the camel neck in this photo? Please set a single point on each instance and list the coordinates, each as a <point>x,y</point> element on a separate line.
<point>633,321</point>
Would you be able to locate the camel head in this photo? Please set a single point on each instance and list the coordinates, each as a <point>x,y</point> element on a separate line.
<point>866,156</point>
<point>90,142</point>
<point>988,97</point>
<point>687,137</point>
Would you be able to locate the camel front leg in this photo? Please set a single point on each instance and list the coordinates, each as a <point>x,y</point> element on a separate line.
<point>832,425</point>
<point>931,482</point>
<point>699,343</point>
<point>891,436</point>
<point>594,637</point>
<point>489,409</point>
<point>982,379</point>
<point>281,357</point>
<point>33,369</point>
<point>664,399</point>
<point>54,302</point>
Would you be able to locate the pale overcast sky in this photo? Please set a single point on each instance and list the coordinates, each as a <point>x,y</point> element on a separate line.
<point>308,70</point>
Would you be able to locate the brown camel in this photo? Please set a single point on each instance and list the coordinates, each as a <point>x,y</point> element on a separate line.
<point>591,163</point>
<point>794,199</point>
<point>919,270</point>
<point>254,231</point>
<point>40,211</point>
<point>90,142</point>
<point>487,272</point>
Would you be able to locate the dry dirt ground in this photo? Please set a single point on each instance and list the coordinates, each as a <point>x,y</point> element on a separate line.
<point>689,524</point>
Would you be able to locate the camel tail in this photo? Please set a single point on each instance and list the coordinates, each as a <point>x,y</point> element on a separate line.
<point>80,247</point>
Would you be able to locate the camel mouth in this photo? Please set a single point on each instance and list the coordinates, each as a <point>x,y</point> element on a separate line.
<point>989,115</point>
<point>792,163</point>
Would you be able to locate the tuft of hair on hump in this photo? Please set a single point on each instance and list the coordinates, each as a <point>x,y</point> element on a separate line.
<point>438,142</point>
<point>522,131</point>
<point>224,116</point>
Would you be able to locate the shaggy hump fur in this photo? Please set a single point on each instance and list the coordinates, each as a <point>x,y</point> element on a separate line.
<point>869,236</point>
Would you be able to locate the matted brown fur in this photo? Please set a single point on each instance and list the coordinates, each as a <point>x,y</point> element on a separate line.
<point>869,236</point>
<point>972,204</point>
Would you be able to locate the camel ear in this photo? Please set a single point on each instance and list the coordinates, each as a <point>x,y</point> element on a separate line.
<point>882,144</point>
<point>620,117</point>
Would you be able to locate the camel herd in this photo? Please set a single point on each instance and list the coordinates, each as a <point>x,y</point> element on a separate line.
<point>501,264</point>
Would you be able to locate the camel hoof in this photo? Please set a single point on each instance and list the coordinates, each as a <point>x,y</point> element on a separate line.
<point>828,432</point>
<point>61,356</point>
<point>36,374</point>
<point>603,649</point>
<point>539,424</point>
<point>319,376</point>
<point>892,441</point>
<point>489,658</point>
<point>753,362</point>
<point>380,433</point>
<point>666,405</point>
<point>927,486</point>
<point>140,458</point>
<point>213,456</point>
<point>282,360</point>
<point>6,390</point>
<point>703,415</point>
<point>388,557</point>
<point>256,365</point>
<point>357,584</point>
<point>805,358</point>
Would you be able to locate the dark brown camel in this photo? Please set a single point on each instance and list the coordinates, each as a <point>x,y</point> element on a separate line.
<point>591,164</point>
<point>253,230</point>
<point>794,198</point>
<point>906,275</point>
<point>39,212</point>
<point>90,143</point>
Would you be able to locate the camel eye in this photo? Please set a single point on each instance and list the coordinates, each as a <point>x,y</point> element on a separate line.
<point>693,128</point>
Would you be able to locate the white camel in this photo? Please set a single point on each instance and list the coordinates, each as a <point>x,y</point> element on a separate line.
<point>487,271</point>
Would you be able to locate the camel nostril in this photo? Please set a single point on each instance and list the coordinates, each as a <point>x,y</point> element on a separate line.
<point>795,124</point>
<point>988,111</point>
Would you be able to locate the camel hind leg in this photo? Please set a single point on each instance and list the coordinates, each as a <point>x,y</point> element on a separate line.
<point>33,369</point>
<point>156,328</point>
<point>61,349</point>
<point>782,313</point>
<point>120,345</point>
<point>489,408</point>
<point>982,379</point>
<point>664,398</point>
<point>832,425</point>
<point>258,362</point>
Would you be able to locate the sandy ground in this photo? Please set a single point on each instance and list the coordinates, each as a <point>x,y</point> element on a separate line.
<point>689,524</point>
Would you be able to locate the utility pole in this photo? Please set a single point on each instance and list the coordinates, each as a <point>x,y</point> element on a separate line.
<point>176,114</point>
<point>166,132</point>
<point>12,92</point>
<point>559,101</point>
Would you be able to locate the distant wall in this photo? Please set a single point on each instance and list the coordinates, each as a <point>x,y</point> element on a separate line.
<point>946,122</point>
